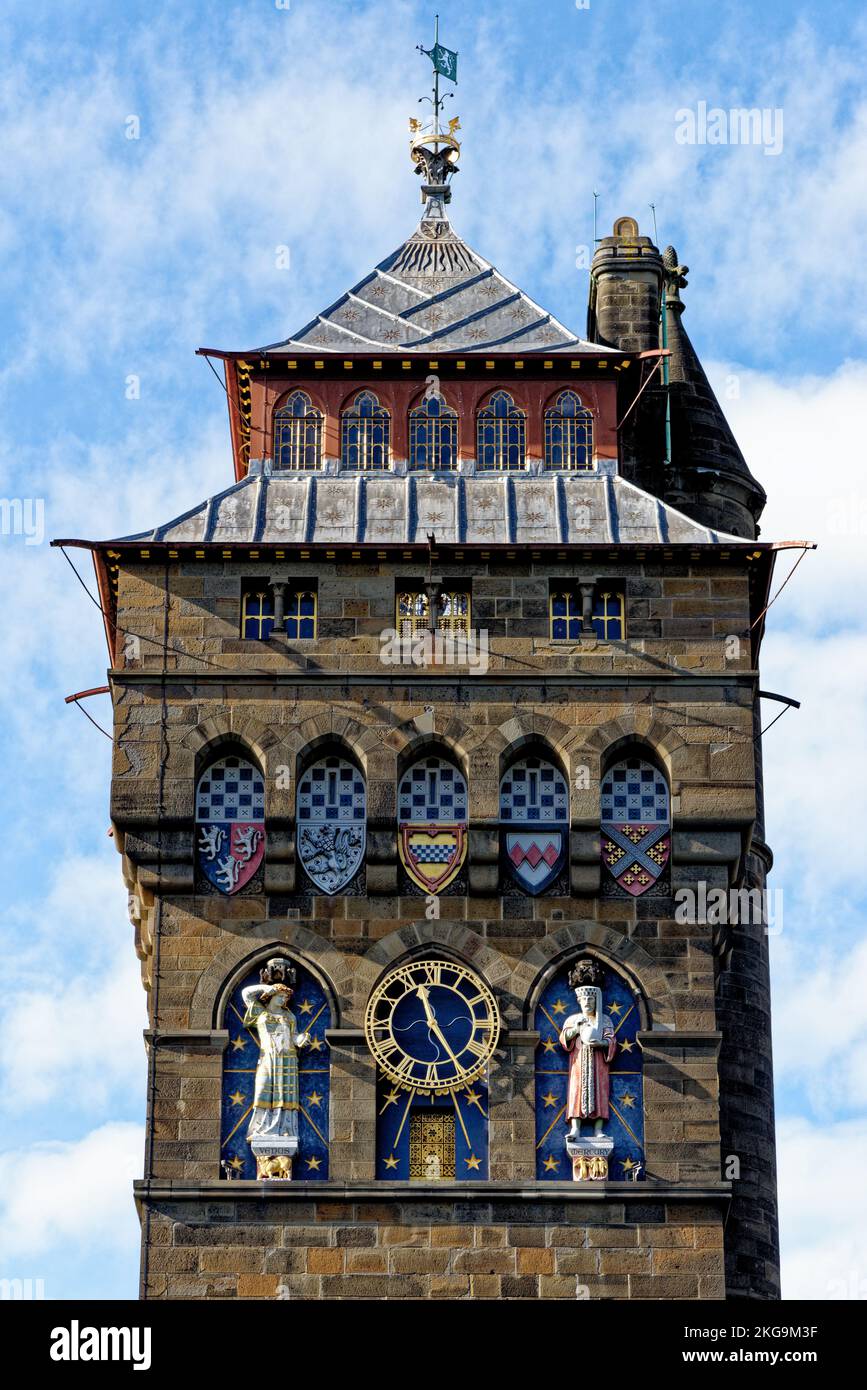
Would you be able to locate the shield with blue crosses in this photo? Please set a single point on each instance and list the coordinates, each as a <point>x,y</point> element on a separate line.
<point>331,823</point>
<point>432,823</point>
<point>636,825</point>
<point>534,822</point>
<point>230,823</point>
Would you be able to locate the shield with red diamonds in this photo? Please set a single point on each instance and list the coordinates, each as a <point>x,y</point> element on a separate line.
<point>535,856</point>
<point>534,821</point>
<point>636,825</point>
<point>230,823</point>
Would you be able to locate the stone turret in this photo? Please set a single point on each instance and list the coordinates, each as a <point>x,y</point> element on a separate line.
<point>694,461</point>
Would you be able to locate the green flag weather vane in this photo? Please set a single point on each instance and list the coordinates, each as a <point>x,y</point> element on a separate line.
<point>438,163</point>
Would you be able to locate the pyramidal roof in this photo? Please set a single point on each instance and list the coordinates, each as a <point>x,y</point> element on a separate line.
<point>435,294</point>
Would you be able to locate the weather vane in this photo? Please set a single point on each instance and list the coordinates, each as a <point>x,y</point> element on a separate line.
<point>436,163</point>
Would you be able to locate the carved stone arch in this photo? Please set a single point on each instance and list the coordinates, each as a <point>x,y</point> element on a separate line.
<point>219,737</point>
<point>630,960</point>
<point>256,958</point>
<point>454,937</point>
<point>264,939</point>
<point>634,730</point>
<point>452,735</point>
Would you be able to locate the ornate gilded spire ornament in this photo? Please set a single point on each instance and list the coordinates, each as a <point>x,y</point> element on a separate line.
<point>433,151</point>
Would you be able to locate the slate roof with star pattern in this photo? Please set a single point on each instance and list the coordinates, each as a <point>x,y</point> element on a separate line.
<point>435,294</point>
<point>388,509</point>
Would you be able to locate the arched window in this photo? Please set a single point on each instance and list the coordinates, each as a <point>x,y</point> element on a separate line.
<point>275,1102</point>
<point>297,434</point>
<point>365,433</point>
<point>230,823</point>
<point>432,822</point>
<point>433,435</point>
<point>617,1093</point>
<point>331,823</point>
<point>534,822</point>
<point>636,825</point>
<point>452,616</point>
<point>501,434</point>
<point>568,434</point>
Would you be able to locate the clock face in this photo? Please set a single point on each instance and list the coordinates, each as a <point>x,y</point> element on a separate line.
<point>432,1025</point>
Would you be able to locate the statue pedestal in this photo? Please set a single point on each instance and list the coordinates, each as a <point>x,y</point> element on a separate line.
<point>274,1158</point>
<point>590,1157</point>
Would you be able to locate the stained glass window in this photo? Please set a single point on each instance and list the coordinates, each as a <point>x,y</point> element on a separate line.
<point>501,434</point>
<point>568,434</point>
<point>433,435</point>
<point>432,790</point>
<point>300,614</point>
<point>365,433</point>
<point>297,434</point>
<point>607,614</point>
<point>257,615</point>
<point>452,612</point>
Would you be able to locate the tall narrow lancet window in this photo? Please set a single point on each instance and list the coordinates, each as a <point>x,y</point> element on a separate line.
<point>297,434</point>
<point>433,435</point>
<point>365,430</point>
<point>534,822</point>
<point>230,824</point>
<point>331,825</point>
<point>432,823</point>
<point>636,825</point>
<point>501,434</point>
<point>568,434</point>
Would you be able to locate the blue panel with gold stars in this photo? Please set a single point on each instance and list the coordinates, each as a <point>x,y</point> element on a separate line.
<point>310,1007</point>
<point>431,1137</point>
<point>626,1097</point>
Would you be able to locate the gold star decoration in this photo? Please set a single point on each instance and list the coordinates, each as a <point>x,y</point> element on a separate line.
<point>473,1098</point>
<point>551,1164</point>
<point>615,1009</point>
<point>549,1099</point>
<point>391,1098</point>
<point>391,1162</point>
<point>472,1162</point>
<point>315,1098</point>
<point>559,1007</point>
<point>549,1044</point>
<point>626,1046</point>
<point>628,1101</point>
<point>236,1164</point>
<point>315,1164</point>
<point>236,1098</point>
<point>238,1044</point>
<point>627,1165</point>
<point>315,1044</point>
<point>306,1007</point>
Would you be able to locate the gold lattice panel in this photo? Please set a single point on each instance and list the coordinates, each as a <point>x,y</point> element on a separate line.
<point>431,1146</point>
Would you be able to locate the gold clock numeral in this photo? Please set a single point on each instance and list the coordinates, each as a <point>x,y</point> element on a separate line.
<point>478,1049</point>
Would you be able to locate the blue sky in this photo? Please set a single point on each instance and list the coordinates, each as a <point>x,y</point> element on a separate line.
<point>263,127</point>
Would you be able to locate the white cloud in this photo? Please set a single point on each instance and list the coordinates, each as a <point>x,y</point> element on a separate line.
<point>73,1005</point>
<point>78,1195</point>
<point>823,1208</point>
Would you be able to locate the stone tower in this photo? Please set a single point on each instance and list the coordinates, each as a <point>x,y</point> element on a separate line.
<point>425,729</point>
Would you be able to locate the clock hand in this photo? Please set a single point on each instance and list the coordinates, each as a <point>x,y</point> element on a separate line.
<point>434,1026</point>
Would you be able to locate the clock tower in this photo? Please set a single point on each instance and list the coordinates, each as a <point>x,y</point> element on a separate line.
<point>433,731</point>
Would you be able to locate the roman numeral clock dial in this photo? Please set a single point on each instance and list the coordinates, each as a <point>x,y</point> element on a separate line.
<point>432,1026</point>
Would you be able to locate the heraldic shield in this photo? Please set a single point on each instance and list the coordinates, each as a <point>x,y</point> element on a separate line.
<point>636,825</point>
<point>534,820</point>
<point>230,823</point>
<point>432,823</point>
<point>332,825</point>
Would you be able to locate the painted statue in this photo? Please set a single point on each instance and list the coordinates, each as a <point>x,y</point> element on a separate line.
<point>588,1037</point>
<point>273,1129</point>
